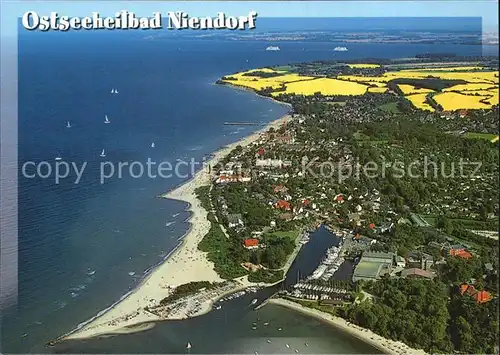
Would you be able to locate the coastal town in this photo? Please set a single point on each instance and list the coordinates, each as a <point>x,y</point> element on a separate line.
<point>435,232</point>
<point>415,256</point>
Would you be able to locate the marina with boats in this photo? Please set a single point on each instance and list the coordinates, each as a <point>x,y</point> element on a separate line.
<point>330,263</point>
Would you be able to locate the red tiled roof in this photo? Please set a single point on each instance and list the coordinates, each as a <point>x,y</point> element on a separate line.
<point>463,288</point>
<point>461,253</point>
<point>283,204</point>
<point>340,198</point>
<point>482,296</point>
<point>371,225</point>
<point>280,188</point>
<point>479,296</point>
<point>251,242</point>
<point>417,272</point>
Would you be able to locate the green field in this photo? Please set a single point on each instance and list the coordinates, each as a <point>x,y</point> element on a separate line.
<point>390,107</point>
<point>336,103</point>
<point>285,67</point>
<point>290,234</point>
<point>475,135</point>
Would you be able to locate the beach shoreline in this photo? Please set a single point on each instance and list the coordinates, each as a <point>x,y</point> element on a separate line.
<point>185,264</point>
<point>385,345</point>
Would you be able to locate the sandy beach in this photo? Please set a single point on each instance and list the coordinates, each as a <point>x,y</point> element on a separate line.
<point>390,347</point>
<point>185,265</point>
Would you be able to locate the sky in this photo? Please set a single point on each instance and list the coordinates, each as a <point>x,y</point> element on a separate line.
<point>487,9</point>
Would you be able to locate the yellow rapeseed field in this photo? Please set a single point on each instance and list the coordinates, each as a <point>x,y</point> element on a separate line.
<point>451,101</point>
<point>370,79</point>
<point>259,83</point>
<point>377,90</point>
<point>470,87</point>
<point>471,77</point>
<point>410,89</point>
<point>418,100</point>
<point>465,68</point>
<point>475,92</point>
<point>363,66</point>
<point>493,100</point>
<point>462,96</point>
<point>325,86</point>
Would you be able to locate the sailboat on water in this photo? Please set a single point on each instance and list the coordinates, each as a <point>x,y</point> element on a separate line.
<point>188,345</point>
<point>106,120</point>
<point>153,145</point>
<point>68,125</point>
<point>102,155</point>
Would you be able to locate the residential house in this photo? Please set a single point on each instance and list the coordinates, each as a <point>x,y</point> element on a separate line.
<point>400,261</point>
<point>234,221</point>
<point>269,163</point>
<point>479,296</point>
<point>339,198</point>
<point>354,217</point>
<point>417,259</point>
<point>283,205</point>
<point>417,273</point>
<point>280,188</point>
<point>251,243</point>
<point>460,253</point>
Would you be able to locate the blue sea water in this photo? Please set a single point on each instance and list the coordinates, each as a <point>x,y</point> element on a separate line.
<point>120,229</point>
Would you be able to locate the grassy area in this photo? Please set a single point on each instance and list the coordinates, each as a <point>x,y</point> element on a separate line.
<point>188,289</point>
<point>293,234</point>
<point>336,103</point>
<point>360,136</point>
<point>390,107</point>
<point>419,221</point>
<point>267,276</point>
<point>432,220</point>
<point>476,135</point>
<point>285,68</point>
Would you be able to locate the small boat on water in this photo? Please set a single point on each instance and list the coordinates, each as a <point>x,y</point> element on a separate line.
<point>102,155</point>
<point>254,301</point>
<point>340,49</point>
<point>188,345</point>
<point>90,273</point>
<point>273,48</point>
<point>152,145</point>
<point>58,158</point>
<point>106,119</point>
<point>68,125</point>
<point>114,91</point>
<point>217,307</point>
<point>266,324</point>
